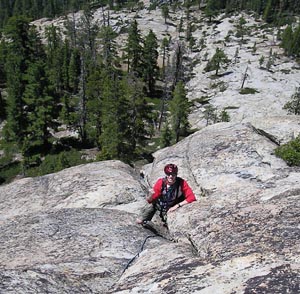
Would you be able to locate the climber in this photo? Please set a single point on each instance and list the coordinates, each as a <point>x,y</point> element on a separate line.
<point>169,193</point>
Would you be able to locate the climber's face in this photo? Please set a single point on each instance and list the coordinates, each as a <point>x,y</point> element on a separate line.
<point>171,178</point>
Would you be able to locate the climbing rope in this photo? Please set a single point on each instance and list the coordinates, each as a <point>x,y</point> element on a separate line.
<point>156,234</point>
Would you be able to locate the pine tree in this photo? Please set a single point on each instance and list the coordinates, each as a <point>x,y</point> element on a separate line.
<point>97,83</point>
<point>55,55</point>
<point>134,49</point>
<point>111,138</point>
<point>165,53</point>
<point>40,106</point>
<point>87,32</point>
<point>66,59</point>
<point>95,104</point>
<point>150,71</point>
<point>18,55</point>
<point>166,136</point>
<point>269,11</point>
<point>212,9</point>
<point>287,40</point>
<point>261,61</point>
<point>2,107</point>
<point>241,28</point>
<point>293,106</point>
<point>73,70</point>
<point>139,119</point>
<point>179,109</point>
<point>177,67</point>
<point>224,116</point>
<point>210,114</point>
<point>108,45</point>
<point>2,60</point>
<point>165,12</point>
<point>219,59</point>
<point>2,79</point>
<point>296,42</point>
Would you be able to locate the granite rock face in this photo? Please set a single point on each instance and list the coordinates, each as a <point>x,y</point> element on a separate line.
<point>75,232</point>
<point>242,235</point>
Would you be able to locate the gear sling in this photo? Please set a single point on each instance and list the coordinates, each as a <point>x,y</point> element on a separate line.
<point>168,198</point>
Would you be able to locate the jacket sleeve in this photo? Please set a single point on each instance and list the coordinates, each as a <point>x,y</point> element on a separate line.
<point>157,189</point>
<point>188,192</point>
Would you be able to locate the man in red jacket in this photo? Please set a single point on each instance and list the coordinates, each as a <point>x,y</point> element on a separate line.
<point>169,193</point>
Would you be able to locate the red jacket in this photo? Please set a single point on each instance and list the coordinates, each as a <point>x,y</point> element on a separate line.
<point>184,189</point>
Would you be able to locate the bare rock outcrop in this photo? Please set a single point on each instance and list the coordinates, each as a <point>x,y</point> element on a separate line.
<point>75,232</point>
<point>67,250</point>
<point>242,235</point>
<point>105,184</point>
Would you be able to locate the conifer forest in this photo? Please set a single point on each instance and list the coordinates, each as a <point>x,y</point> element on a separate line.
<point>113,98</point>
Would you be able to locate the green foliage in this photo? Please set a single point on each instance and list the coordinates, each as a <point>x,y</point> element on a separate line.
<point>9,169</point>
<point>269,11</point>
<point>218,60</point>
<point>166,136</point>
<point>246,91</point>
<point>224,116</point>
<point>165,12</point>
<point>56,162</point>
<point>150,55</point>
<point>140,120</point>
<point>241,28</point>
<point>24,49</point>
<point>261,61</point>
<point>213,8</point>
<point>134,50</point>
<point>179,110</point>
<point>293,106</point>
<point>290,152</point>
<point>2,107</point>
<point>36,9</point>
<point>109,50</point>
<point>272,10</point>
<point>254,48</point>
<point>2,59</point>
<point>40,106</point>
<point>55,59</point>
<point>110,139</point>
<point>210,114</point>
<point>87,87</point>
<point>291,40</point>
<point>221,85</point>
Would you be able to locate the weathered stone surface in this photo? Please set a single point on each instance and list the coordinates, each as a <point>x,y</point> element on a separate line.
<point>67,250</point>
<point>75,232</point>
<point>243,235</point>
<point>279,129</point>
<point>240,236</point>
<point>104,184</point>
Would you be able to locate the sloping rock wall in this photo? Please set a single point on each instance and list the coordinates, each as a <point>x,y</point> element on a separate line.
<point>242,235</point>
<point>75,232</point>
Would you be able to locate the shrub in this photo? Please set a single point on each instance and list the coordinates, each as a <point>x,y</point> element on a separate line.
<point>9,170</point>
<point>246,91</point>
<point>56,162</point>
<point>290,152</point>
<point>293,106</point>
